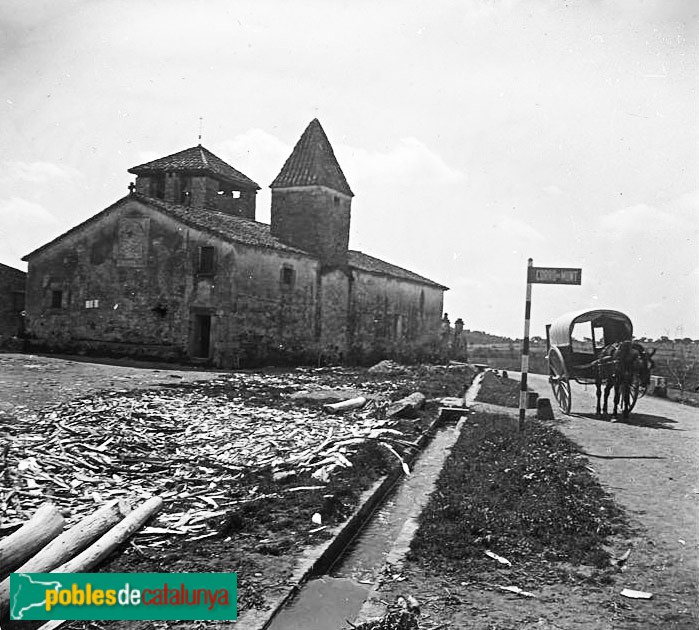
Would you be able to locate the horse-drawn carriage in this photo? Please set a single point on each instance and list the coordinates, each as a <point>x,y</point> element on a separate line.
<point>596,347</point>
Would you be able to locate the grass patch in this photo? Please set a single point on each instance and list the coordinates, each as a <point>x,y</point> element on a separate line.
<point>498,390</point>
<point>527,496</point>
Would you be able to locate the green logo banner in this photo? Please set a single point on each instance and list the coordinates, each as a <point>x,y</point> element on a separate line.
<point>109,596</point>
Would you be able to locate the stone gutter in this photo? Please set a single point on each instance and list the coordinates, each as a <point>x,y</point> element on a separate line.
<point>373,607</point>
<point>318,559</point>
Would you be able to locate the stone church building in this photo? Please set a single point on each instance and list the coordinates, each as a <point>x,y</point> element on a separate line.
<point>180,270</point>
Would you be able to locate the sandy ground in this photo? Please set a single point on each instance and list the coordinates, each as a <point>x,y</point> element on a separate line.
<point>649,465</point>
<point>33,381</point>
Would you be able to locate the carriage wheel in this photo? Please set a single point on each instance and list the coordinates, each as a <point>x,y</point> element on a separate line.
<point>558,377</point>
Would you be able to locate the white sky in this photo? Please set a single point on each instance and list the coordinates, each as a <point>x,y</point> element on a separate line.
<point>474,134</point>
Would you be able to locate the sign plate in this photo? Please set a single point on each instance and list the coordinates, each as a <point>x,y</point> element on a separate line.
<point>554,275</point>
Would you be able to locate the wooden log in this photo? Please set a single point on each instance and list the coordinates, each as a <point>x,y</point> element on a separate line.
<point>346,405</point>
<point>115,537</point>
<point>407,407</point>
<point>44,526</point>
<point>67,545</point>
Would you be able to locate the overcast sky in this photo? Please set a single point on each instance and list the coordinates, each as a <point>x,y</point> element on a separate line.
<point>474,134</point>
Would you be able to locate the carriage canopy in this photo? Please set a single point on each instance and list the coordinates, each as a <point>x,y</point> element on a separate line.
<point>615,325</point>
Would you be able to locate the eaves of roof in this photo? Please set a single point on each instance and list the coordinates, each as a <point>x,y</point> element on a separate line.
<point>196,160</point>
<point>226,227</point>
<point>370,264</point>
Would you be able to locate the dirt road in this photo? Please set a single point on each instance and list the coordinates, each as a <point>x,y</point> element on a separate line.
<point>650,463</point>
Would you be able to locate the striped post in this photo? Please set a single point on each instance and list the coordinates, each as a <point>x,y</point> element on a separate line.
<point>525,349</point>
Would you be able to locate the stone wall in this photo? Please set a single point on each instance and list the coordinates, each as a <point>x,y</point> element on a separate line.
<point>203,193</point>
<point>130,283</point>
<point>242,206</point>
<point>274,318</point>
<point>12,283</point>
<point>390,317</point>
<point>334,311</point>
<point>314,219</point>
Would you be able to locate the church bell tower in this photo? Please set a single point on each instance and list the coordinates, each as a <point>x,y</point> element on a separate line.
<point>311,200</point>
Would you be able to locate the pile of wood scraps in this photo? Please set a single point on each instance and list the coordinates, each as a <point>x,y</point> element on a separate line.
<point>187,446</point>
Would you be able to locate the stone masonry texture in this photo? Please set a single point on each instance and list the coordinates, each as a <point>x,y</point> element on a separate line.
<point>314,219</point>
<point>129,285</point>
<point>12,284</point>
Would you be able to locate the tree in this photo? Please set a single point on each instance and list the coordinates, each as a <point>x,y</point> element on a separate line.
<point>682,366</point>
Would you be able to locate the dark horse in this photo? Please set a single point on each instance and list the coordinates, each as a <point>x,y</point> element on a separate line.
<point>624,365</point>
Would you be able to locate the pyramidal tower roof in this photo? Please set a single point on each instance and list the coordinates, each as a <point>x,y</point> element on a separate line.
<point>196,159</point>
<point>312,163</point>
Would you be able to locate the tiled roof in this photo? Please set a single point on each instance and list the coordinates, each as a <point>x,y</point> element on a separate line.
<point>196,159</point>
<point>238,230</point>
<point>227,227</point>
<point>312,163</point>
<point>364,262</point>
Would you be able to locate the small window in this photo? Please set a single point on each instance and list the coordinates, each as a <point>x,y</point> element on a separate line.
<point>581,337</point>
<point>206,260</point>
<point>236,194</point>
<point>600,341</point>
<point>56,299</point>
<point>288,276</point>
<point>336,200</point>
<point>92,303</point>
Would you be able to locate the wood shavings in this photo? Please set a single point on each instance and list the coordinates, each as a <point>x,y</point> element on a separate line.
<point>185,445</point>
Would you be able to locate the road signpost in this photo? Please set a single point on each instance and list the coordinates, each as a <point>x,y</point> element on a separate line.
<point>553,275</point>
<point>539,275</point>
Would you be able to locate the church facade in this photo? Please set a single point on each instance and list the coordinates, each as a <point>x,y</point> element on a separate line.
<point>180,270</point>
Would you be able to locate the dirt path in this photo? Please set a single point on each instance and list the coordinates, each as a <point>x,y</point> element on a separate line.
<point>650,464</point>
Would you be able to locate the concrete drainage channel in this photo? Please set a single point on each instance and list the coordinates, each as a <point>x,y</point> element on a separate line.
<point>349,572</point>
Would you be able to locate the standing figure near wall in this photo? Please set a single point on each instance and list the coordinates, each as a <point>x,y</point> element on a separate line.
<point>445,341</point>
<point>458,343</point>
